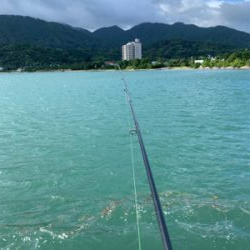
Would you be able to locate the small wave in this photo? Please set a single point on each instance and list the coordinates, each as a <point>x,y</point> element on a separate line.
<point>61,236</point>
<point>245,210</point>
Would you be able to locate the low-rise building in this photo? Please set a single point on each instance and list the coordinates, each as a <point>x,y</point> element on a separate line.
<point>199,61</point>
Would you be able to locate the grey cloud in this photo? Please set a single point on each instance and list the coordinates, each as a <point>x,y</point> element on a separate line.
<point>198,12</point>
<point>93,14</point>
<point>237,15</point>
<point>89,14</point>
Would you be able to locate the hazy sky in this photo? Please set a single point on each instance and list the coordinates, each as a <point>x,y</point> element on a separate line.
<point>94,14</point>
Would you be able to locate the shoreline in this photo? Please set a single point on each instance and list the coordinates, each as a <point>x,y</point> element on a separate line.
<point>129,70</point>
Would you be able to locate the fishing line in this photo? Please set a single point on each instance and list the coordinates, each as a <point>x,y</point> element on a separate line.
<point>137,213</point>
<point>157,204</point>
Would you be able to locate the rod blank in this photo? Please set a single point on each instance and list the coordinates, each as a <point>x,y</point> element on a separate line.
<point>157,204</point>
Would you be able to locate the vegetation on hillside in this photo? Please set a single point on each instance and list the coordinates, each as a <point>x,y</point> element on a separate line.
<point>150,33</point>
<point>33,57</point>
<point>235,60</point>
<point>165,54</point>
<point>32,44</point>
<point>21,29</point>
<point>181,49</point>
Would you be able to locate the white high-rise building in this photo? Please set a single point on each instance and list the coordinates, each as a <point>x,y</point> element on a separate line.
<point>138,49</point>
<point>128,51</point>
<point>132,50</point>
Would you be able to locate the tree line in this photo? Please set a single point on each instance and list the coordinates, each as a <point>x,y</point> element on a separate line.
<point>33,58</point>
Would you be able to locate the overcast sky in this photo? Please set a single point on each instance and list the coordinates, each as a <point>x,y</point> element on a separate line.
<point>94,14</point>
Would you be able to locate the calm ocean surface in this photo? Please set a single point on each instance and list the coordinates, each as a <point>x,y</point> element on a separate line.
<point>65,160</point>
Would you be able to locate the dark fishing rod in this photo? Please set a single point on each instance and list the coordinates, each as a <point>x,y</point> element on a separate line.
<point>157,204</point>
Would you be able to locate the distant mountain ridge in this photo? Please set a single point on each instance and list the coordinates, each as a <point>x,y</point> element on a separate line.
<point>28,30</point>
<point>23,29</point>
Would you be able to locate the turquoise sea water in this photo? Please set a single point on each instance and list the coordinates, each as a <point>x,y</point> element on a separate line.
<point>65,160</point>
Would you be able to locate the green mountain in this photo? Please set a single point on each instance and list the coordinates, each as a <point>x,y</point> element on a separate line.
<point>33,44</point>
<point>20,30</point>
<point>112,36</point>
<point>150,33</point>
<point>183,49</point>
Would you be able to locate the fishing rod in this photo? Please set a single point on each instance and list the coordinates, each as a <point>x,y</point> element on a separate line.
<point>157,204</point>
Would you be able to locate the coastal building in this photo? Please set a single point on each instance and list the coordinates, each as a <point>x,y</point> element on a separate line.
<point>200,61</point>
<point>132,50</point>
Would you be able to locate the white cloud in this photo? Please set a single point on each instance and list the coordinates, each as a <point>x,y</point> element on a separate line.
<point>93,14</point>
<point>214,4</point>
